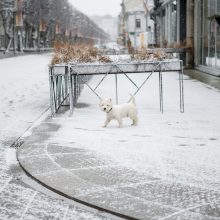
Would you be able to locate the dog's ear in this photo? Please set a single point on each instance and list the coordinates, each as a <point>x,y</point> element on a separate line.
<point>110,100</point>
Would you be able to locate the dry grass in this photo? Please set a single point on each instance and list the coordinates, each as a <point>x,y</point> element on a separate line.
<point>177,45</point>
<point>144,55</point>
<point>77,53</point>
<point>141,54</point>
<point>160,55</point>
<point>86,53</point>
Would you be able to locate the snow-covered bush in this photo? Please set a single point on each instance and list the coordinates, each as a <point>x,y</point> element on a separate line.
<point>65,53</point>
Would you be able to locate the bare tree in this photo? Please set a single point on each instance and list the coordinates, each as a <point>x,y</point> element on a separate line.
<point>45,21</point>
<point>6,9</point>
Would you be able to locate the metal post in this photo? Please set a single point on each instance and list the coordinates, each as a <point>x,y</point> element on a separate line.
<point>66,82</point>
<point>51,92</point>
<point>116,87</point>
<point>161,89</point>
<point>75,89</point>
<point>181,87</point>
<point>59,88</point>
<point>56,90</point>
<point>70,84</point>
<point>78,87</point>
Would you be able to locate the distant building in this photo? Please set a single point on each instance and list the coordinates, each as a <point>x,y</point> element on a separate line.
<point>135,24</point>
<point>108,24</point>
<point>191,24</point>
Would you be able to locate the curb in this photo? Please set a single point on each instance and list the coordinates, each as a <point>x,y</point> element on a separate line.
<point>25,53</point>
<point>20,141</point>
<point>115,214</point>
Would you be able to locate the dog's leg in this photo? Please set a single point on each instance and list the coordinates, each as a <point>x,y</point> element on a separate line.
<point>119,122</point>
<point>135,121</point>
<point>106,122</point>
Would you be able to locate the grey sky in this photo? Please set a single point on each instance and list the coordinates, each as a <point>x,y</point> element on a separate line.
<point>99,7</point>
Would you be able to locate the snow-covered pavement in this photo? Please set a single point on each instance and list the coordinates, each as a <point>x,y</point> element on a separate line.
<point>168,167</point>
<point>23,98</point>
<point>24,94</point>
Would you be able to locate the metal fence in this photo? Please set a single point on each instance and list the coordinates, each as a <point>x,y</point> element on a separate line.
<point>67,81</point>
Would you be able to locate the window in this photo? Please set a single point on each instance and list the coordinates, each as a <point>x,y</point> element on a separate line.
<point>138,23</point>
<point>209,34</point>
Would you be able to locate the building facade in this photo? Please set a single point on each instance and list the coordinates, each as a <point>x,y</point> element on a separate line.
<point>170,22</point>
<point>191,24</point>
<point>135,25</point>
<point>108,24</point>
<point>207,36</point>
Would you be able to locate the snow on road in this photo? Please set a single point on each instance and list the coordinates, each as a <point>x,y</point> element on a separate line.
<point>173,147</point>
<point>181,151</point>
<point>181,147</point>
<point>24,96</point>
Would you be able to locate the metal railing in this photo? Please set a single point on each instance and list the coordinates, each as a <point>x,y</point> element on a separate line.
<point>67,81</point>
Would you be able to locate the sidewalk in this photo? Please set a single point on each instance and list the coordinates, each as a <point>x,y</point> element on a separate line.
<point>208,79</point>
<point>26,52</point>
<point>168,167</point>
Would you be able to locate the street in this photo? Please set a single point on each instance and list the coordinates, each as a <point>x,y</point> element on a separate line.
<point>24,98</point>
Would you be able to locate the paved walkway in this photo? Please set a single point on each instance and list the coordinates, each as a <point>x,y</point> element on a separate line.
<point>24,97</point>
<point>26,52</point>
<point>168,167</point>
<point>208,79</point>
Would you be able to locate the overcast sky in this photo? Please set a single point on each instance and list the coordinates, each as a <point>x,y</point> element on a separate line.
<point>98,7</point>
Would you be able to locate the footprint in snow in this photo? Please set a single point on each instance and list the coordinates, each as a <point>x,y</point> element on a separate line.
<point>122,141</point>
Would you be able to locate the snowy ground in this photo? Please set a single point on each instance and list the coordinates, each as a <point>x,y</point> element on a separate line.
<point>190,139</point>
<point>24,97</point>
<point>24,94</point>
<point>169,165</point>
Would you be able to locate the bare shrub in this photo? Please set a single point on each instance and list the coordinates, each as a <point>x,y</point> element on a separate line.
<point>77,53</point>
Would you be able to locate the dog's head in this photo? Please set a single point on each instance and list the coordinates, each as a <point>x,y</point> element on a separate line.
<point>106,105</point>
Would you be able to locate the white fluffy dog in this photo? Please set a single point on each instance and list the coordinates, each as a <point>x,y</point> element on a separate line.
<point>117,112</point>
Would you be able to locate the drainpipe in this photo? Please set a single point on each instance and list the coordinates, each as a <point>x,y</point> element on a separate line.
<point>190,33</point>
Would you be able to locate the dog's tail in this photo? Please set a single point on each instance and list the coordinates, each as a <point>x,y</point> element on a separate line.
<point>132,99</point>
